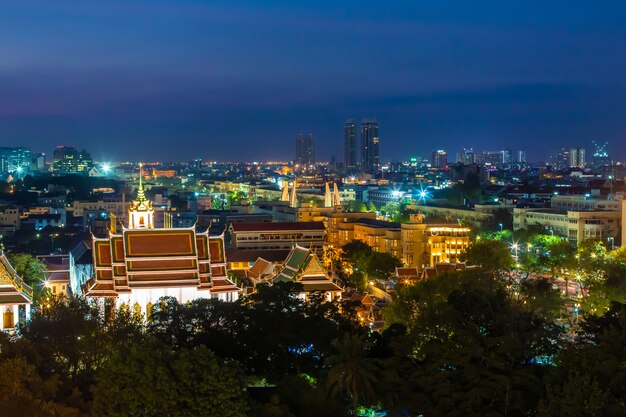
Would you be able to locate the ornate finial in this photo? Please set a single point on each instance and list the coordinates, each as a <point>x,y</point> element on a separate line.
<point>141,197</point>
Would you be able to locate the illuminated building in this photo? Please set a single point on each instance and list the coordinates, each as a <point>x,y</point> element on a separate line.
<point>305,149</point>
<point>351,157</point>
<point>15,160</point>
<point>277,236</point>
<point>370,153</point>
<point>417,243</point>
<point>142,263</point>
<point>577,158</point>
<point>304,267</point>
<point>58,272</point>
<point>439,159</point>
<point>15,297</point>
<point>68,160</point>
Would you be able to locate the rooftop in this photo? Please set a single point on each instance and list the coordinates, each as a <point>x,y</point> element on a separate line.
<point>265,226</point>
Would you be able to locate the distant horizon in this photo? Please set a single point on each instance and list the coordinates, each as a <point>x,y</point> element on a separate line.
<point>239,81</point>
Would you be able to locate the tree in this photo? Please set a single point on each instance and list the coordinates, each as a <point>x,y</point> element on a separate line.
<point>151,380</point>
<point>381,264</point>
<point>589,377</point>
<point>492,255</point>
<point>469,349</point>
<point>28,267</point>
<point>351,375</point>
<point>24,393</point>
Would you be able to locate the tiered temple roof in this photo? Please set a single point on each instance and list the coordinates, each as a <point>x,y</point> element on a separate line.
<point>149,258</point>
<point>13,290</point>
<point>144,257</point>
<point>303,266</point>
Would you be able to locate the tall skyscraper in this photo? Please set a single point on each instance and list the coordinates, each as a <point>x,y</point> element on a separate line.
<point>305,149</point>
<point>351,158</point>
<point>439,159</point>
<point>577,158</point>
<point>370,157</point>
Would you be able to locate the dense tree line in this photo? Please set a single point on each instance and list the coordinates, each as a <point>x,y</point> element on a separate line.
<point>463,344</point>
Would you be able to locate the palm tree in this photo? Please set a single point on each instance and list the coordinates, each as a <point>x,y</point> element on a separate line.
<point>352,373</point>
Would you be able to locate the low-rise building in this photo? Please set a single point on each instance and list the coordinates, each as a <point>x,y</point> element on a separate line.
<point>276,236</point>
<point>417,243</point>
<point>574,225</point>
<point>58,272</point>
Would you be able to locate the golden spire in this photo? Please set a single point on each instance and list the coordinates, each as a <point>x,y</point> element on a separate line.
<point>141,196</point>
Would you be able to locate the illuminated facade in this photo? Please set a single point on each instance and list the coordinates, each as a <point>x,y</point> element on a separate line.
<point>417,243</point>
<point>141,263</point>
<point>15,297</point>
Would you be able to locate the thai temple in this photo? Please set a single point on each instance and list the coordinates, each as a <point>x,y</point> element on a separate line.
<point>139,264</point>
<point>15,297</point>
<point>301,266</point>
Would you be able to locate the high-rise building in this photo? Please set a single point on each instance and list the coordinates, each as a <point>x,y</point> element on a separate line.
<point>560,160</point>
<point>439,159</point>
<point>520,157</point>
<point>370,157</point>
<point>305,149</point>
<point>69,160</point>
<point>15,160</point>
<point>38,163</point>
<point>577,158</point>
<point>507,156</point>
<point>466,157</point>
<point>350,145</point>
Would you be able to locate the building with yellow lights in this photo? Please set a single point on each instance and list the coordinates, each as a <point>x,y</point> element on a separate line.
<point>417,243</point>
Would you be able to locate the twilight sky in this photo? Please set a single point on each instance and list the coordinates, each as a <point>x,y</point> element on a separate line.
<point>237,80</point>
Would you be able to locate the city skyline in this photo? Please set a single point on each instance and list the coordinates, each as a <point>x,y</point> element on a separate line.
<point>132,81</point>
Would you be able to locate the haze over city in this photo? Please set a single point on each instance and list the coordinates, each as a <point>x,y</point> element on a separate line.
<point>133,80</point>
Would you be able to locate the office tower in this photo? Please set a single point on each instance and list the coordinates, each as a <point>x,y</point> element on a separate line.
<point>577,158</point>
<point>350,145</point>
<point>507,156</point>
<point>69,160</point>
<point>520,157</point>
<point>439,159</point>
<point>38,163</point>
<point>305,149</point>
<point>466,157</point>
<point>370,157</point>
<point>15,160</point>
<point>560,160</point>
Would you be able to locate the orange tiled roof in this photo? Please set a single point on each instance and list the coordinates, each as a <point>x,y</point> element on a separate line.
<point>154,258</point>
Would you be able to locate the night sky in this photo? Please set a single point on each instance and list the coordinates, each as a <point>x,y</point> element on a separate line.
<point>235,80</point>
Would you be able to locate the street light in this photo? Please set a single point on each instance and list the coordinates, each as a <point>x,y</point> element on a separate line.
<point>612,239</point>
<point>501,226</point>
